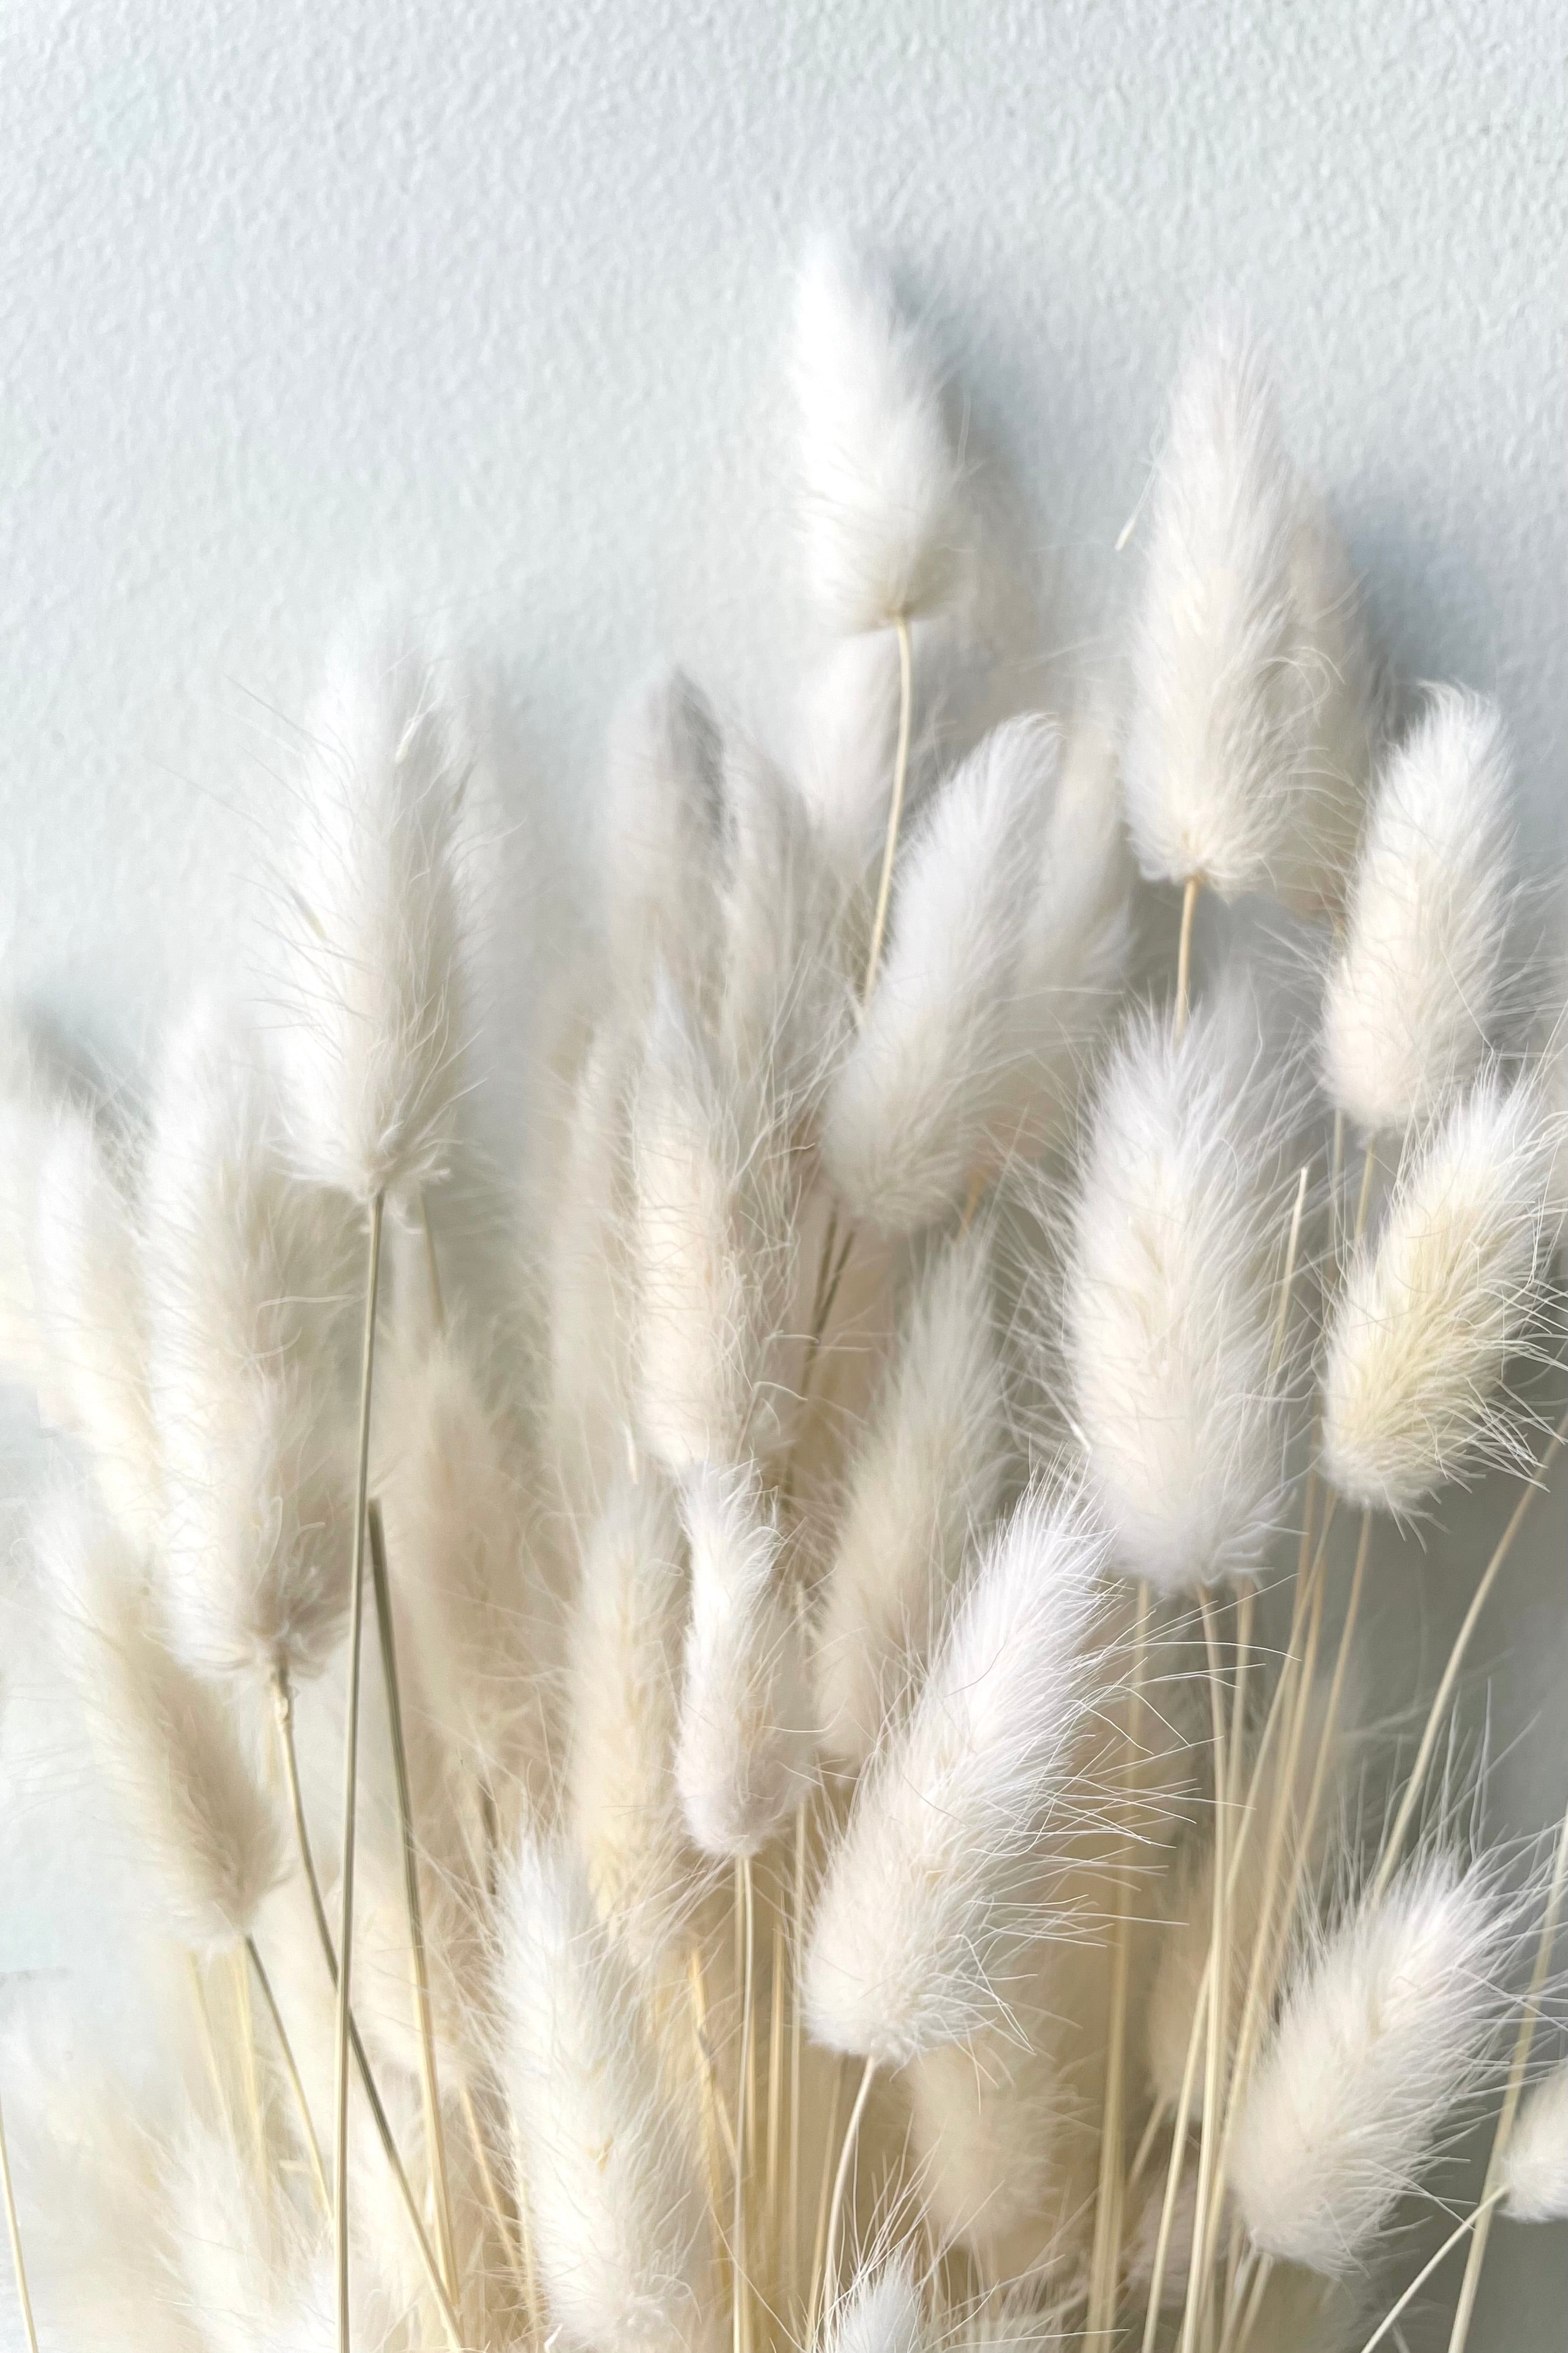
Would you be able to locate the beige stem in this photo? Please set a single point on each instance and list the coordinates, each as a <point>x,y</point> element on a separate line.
<point>797,1931</point>
<point>350,1791</point>
<point>841,2183</point>
<point>13,2231</point>
<point>824,2198</point>
<point>296,2084</point>
<point>1219,1984</point>
<point>1185,952</point>
<point>492,2188</point>
<point>438,2286</point>
<point>1467,2223</point>
<point>429,2082</point>
<point>1476,2256</point>
<point>741,2284</point>
<point>1389,1860</point>
<point>895,810</point>
<point>432,1263</point>
<point>1105,2254</point>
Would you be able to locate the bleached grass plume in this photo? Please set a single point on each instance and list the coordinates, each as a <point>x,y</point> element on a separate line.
<point>246,2259</point>
<point>786,999</point>
<point>714,1245</point>
<point>1434,1305</point>
<point>747,1742</point>
<point>1078,941</point>
<point>1412,997</point>
<point>665,837</point>
<point>244,1270</point>
<point>908,1120</point>
<point>87,1281</point>
<point>1383,2033</point>
<point>847,734</point>
<point>625,1674</point>
<point>1534,2166</point>
<point>615,2198</point>
<point>881,482</point>
<point>591,1274</point>
<point>881,2312</point>
<point>1211,739</point>
<point>372,919</point>
<point>205,1834</point>
<point>1172,1297</point>
<point>457,1539</point>
<point>926,1479</point>
<point>968,1797</point>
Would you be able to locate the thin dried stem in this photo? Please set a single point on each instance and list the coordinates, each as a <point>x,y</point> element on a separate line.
<point>1109,2204</point>
<point>841,2179</point>
<point>895,810</point>
<point>1219,1977</point>
<point>13,2232</point>
<point>1466,2222</point>
<point>429,2082</point>
<point>1470,2285</point>
<point>296,2084</point>
<point>1185,952</point>
<point>1392,1846</point>
<point>351,1790</point>
<point>741,2284</point>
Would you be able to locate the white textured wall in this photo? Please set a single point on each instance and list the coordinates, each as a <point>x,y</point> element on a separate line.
<point>491,291</point>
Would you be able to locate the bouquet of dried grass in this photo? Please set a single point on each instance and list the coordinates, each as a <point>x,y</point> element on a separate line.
<point>856,1821</point>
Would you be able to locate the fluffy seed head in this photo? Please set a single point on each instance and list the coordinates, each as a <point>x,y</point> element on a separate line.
<point>907,1121</point>
<point>745,1758</point>
<point>614,2191</point>
<point>92,1312</point>
<point>882,513</point>
<point>666,841</point>
<point>1172,1297</point>
<point>963,1804</point>
<point>1535,2169</point>
<point>1380,2035</point>
<point>924,1484</point>
<point>713,1246</point>
<point>1228,776</point>
<point>371,919</point>
<point>1410,1000</point>
<point>246,1270</point>
<point>1433,1306</point>
<point>211,1844</point>
<point>881,2312</point>
<point>625,1674</point>
<point>458,1536</point>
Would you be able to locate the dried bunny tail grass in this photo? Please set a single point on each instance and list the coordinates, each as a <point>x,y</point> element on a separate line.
<point>207,1838</point>
<point>93,2164</point>
<point>624,1713</point>
<point>247,2257</point>
<point>457,1524</point>
<point>1211,739</point>
<point>1411,999</point>
<point>246,1269</point>
<point>965,1804</point>
<point>88,1284</point>
<point>371,919</point>
<point>592,1277</point>
<point>1172,1297</point>
<point>1384,2030</point>
<point>665,835</point>
<point>1077,946</point>
<point>846,743</point>
<point>907,1119</point>
<point>747,1742</point>
<point>786,1001</point>
<point>1533,2167</point>
<point>1432,1308</point>
<point>925,1480</point>
<point>1185,1929</point>
<point>617,2211</point>
<point>713,1247</point>
<point>882,511</point>
<point>1006,2127</point>
<point>881,2312</point>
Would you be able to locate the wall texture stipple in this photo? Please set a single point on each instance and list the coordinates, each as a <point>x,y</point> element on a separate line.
<point>492,299</point>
